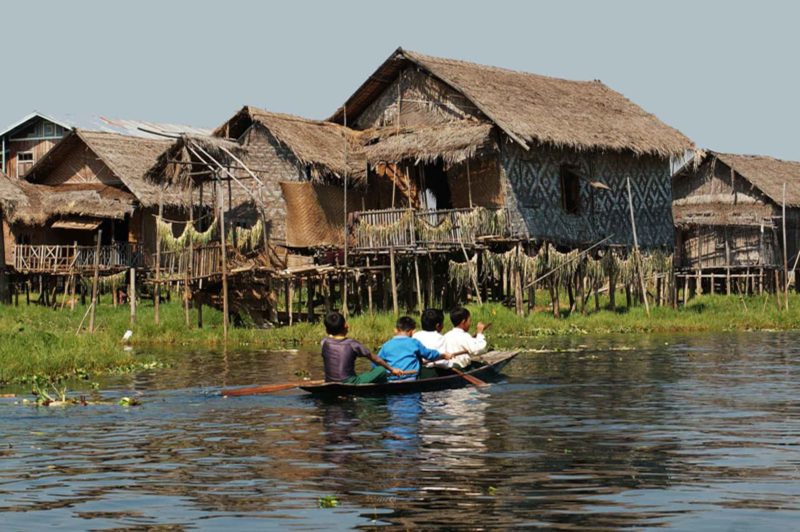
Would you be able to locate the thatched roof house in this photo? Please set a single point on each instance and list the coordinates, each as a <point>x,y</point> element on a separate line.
<point>91,180</point>
<point>323,150</point>
<point>727,210</point>
<point>280,151</point>
<point>531,108</point>
<point>556,153</point>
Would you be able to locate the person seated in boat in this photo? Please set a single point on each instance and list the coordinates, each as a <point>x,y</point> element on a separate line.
<point>432,322</point>
<point>459,340</point>
<point>339,355</point>
<point>405,352</point>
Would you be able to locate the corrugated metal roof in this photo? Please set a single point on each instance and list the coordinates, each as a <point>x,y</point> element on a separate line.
<point>131,128</point>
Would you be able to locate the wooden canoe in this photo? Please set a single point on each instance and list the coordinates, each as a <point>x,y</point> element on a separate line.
<point>486,368</point>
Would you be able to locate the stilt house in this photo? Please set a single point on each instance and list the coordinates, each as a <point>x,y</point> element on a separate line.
<point>88,181</point>
<point>728,212</point>
<point>550,158</point>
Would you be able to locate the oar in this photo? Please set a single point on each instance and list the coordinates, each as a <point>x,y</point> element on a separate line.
<point>267,388</point>
<point>475,381</point>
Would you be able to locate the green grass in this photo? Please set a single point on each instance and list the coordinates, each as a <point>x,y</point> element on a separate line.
<point>41,341</point>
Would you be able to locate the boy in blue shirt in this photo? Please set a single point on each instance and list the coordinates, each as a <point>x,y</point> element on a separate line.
<point>404,352</point>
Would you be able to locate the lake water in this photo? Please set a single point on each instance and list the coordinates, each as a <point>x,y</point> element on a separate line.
<point>687,432</point>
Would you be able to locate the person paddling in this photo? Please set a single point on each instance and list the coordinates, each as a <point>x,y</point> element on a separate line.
<point>339,355</point>
<point>405,352</point>
<point>459,340</point>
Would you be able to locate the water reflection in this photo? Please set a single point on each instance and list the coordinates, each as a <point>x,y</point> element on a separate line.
<point>684,432</point>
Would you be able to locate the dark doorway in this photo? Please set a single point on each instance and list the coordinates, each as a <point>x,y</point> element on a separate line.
<point>433,186</point>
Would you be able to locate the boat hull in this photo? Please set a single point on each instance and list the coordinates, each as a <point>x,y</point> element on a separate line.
<point>495,362</point>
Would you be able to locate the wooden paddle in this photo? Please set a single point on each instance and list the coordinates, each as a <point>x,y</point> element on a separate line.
<point>475,381</point>
<point>267,388</point>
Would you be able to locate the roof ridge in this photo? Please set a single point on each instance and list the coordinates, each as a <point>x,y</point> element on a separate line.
<point>449,60</point>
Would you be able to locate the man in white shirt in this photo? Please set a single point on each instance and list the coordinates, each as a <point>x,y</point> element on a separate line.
<point>431,336</point>
<point>459,339</point>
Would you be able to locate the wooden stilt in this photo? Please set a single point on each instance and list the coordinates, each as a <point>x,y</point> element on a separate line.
<point>132,293</point>
<point>157,284</point>
<point>420,304</point>
<point>393,273</point>
<point>224,254</point>
<point>95,279</point>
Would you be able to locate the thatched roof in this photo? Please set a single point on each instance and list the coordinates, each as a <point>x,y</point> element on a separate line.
<point>326,148</point>
<point>128,158</point>
<point>453,142</point>
<point>531,108</point>
<point>45,202</point>
<point>767,174</point>
<point>11,194</point>
<point>178,166</point>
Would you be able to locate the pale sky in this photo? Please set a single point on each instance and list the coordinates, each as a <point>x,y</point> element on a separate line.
<point>724,73</point>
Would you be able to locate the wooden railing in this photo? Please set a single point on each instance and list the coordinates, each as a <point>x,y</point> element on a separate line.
<point>407,228</point>
<point>206,261</point>
<point>65,259</point>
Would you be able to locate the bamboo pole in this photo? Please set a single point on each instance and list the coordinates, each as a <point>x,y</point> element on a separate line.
<point>393,272</point>
<point>345,309</point>
<point>369,288</point>
<point>785,254</point>
<point>189,262</point>
<point>420,304</point>
<point>221,203</point>
<point>95,279</point>
<point>157,284</point>
<point>637,259</point>
<point>132,294</point>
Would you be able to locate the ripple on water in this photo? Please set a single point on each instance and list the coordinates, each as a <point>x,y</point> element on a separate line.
<point>689,432</point>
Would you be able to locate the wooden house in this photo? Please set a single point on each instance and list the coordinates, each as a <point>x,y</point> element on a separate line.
<point>728,212</point>
<point>87,182</point>
<point>554,155</point>
<point>26,141</point>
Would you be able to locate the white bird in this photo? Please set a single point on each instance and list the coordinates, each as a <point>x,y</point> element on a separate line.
<point>127,335</point>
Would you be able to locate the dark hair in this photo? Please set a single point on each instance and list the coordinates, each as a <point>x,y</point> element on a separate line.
<point>334,323</point>
<point>431,318</point>
<point>458,314</point>
<point>405,324</point>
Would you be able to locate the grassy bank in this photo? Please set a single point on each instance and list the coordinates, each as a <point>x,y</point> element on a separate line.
<point>40,341</point>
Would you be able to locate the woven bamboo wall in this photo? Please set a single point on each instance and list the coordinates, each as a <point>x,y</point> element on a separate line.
<point>423,100</point>
<point>535,199</point>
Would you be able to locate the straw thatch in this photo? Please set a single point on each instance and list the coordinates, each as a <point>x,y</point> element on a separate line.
<point>531,108</point>
<point>767,174</point>
<point>45,202</point>
<point>452,143</point>
<point>128,158</point>
<point>178,166</point>
<point>11,194</point>
<point>327,149</point>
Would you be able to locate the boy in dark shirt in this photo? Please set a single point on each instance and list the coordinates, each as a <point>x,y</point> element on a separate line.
<point>339,354</point>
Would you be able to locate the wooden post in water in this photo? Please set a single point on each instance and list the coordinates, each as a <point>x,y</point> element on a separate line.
<point>95,279</point>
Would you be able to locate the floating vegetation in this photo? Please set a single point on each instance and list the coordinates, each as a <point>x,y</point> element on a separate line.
<point>328,501</point>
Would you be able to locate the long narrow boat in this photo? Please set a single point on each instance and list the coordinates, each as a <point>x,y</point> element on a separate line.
<point>486,368</point>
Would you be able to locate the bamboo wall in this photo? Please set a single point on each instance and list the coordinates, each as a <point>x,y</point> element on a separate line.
<point>534,178</point>
<point>422,100</point>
